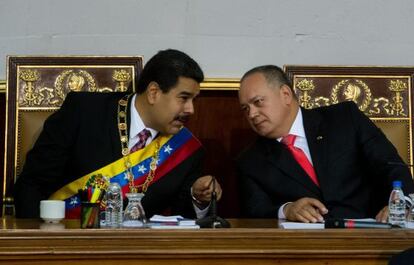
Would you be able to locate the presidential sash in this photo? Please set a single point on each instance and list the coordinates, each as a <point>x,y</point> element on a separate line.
<point>173,150</point>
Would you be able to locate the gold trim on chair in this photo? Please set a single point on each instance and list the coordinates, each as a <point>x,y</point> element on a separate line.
<point>38,85</point>
<point>382,93</point>
<point>396,92</point>
<point>2,86</point>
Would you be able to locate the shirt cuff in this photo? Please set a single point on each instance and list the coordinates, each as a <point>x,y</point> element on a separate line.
<point>280,213</point>
<point>200,213</point>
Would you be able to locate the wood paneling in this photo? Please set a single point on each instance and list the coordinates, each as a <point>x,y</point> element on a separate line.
<point>224,132</point>
<point>2,138</point>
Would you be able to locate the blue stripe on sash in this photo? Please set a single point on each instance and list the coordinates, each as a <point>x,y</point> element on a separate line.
<point>141,169</point>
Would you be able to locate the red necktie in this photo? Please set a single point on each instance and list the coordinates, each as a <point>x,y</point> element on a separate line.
<point>300,157</point>
<point>142,139</point>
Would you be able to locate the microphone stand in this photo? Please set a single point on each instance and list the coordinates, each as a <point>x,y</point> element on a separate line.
<point>213,221</point>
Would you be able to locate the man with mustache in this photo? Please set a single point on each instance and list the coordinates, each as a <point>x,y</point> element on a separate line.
<point>307,165</point>
<point>137,140</point>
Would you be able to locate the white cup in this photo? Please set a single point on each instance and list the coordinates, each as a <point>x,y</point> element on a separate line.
<point>52,211</point>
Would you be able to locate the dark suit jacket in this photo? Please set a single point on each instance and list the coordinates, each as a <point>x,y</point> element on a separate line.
<point>351,158</point>
<point>82,137</point>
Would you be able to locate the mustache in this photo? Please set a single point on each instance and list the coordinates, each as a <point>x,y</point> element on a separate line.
<point>182,118</point>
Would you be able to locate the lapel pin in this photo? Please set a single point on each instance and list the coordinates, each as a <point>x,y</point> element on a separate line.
<point>319,137</point>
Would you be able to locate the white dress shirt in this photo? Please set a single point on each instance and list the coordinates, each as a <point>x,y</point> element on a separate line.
<point>300,142</point>
<point>135,127</point>
<point>298,130</point>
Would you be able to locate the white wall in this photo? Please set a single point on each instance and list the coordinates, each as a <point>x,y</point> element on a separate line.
<point>227,37</point>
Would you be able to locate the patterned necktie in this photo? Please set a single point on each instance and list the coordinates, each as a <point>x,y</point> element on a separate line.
<point>300,157</point>
<point>142,139</point>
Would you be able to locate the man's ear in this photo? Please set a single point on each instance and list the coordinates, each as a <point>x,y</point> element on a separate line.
<point>153,92</point>
<point>286,93</point>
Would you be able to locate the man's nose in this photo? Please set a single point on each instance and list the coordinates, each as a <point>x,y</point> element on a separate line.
<point>252,112</point>
<point>189,107</point>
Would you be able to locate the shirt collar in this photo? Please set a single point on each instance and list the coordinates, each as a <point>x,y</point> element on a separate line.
<point>297,126</point>
<point>136,124</point>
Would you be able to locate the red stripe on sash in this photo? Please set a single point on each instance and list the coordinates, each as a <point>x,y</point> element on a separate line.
<point>170,163</point>
<point>73,213</point>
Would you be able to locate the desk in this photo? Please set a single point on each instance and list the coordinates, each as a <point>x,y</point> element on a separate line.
<point>248,242</point>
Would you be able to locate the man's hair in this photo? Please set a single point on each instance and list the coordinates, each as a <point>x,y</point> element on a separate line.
<point>273,75</point>
<point>166,67</point>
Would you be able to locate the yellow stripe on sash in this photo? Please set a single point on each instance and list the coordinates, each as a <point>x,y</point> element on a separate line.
<point>113,169</point>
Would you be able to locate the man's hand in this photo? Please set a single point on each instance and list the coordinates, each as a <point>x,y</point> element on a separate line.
<point>307,210</point>
<point>382,216</point>
<point>203,187</point>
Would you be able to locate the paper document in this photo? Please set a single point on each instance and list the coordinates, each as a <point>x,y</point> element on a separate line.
<point>409,225</point>
<point>186,222</point>
<point>171,222</point>
<point>162,218</point>
<point>163,226</point>
<point>297,225</point>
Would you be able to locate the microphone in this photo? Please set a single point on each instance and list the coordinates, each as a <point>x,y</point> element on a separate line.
<point>213,221</point>
<point>344,223</point>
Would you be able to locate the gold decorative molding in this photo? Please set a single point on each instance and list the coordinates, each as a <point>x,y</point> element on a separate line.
<point>220,84</point>
<point>305,86</point>
<point>352,91</point>
<point>122,77</point>
<point>46,87</point>
<point>376,96</point>
<point>2,86</point>
<point>398,86</point>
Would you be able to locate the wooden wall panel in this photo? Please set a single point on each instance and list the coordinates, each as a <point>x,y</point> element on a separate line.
<point>224,132</point>
<point>2,137</point>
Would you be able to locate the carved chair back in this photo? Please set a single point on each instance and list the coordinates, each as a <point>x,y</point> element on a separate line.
<point>37,86</point>
<point>382,93</point>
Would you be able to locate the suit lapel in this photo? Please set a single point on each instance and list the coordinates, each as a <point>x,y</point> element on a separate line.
<point>280,156</point>
<point>316,136</point>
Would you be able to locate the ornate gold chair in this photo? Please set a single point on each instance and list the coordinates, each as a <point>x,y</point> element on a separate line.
<point>37,86</point>
<point>382,93</point>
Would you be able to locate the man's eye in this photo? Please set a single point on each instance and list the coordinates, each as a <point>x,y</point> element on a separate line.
<point>258,101</point>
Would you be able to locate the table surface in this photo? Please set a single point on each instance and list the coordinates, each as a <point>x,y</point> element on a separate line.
<point>248,240</point>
